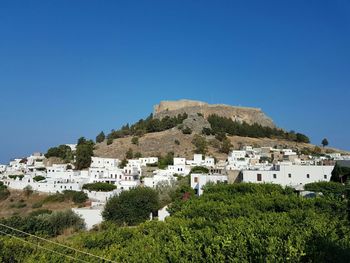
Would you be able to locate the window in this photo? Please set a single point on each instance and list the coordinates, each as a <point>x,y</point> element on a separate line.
<point>274,176</point>
<point>258,178</point>
<point>290,175</point>
<point>325,176</point>
<point>307,176</point>
<point>196,179</point>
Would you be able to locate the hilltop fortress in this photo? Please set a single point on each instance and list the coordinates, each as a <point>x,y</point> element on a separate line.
<point>191,107</point>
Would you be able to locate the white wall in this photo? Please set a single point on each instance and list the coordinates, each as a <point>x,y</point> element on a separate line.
<point>91,216</point>
<point>200,180</point>
<point>290,175</point>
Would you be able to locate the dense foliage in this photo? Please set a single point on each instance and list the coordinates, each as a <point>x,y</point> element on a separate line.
<point>200,144</point>
<point>131,207</point>
<point>164,161</point>
<point>199,170</point>
<point>99,187</point>
<point>84,152</point>
<point>4,192</point>
<point>100,137</point>
<point>78,197</point>
<point>228,223</point>
<point>38,178</point>
<point>340,174</point>
<point>148,125</point>
<point>43,223</point>
<point>327,188</point>
<point>227,125</point>
<point>63,151</point>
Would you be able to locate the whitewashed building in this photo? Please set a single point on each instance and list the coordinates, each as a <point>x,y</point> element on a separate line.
<point>200,180</point>
<point>287,174</point>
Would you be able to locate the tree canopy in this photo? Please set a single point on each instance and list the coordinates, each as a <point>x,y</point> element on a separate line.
<point>131,207</point>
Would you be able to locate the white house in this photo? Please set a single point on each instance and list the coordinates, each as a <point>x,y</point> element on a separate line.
<point>3,168</point>
<point>287,174</point>
<point>98,162</point>
<point>158,178</point>
<point>199,180</point>
<point>148,160</point>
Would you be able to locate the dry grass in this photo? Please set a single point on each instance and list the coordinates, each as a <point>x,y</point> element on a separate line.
<point>18,196</point>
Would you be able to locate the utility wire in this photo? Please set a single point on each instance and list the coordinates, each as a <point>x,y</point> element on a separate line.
<point>53,251</point>
<point>58,244</point>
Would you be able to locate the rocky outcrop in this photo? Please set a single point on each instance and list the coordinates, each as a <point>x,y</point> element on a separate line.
<point>249,115</point>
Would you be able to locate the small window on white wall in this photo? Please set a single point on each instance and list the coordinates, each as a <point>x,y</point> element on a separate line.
<point>274,176</point>
<point>307,176</point>
<point>325,176</point>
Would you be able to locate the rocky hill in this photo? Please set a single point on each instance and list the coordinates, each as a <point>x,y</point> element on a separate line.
<point>175,140</point>
<point>249,115</point>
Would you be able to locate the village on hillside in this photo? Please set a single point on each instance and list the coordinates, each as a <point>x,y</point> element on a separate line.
<point>252,165</point>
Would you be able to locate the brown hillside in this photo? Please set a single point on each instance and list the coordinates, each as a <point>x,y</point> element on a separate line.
<point>153,144</point>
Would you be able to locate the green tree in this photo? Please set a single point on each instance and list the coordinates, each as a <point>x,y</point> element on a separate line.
<point>226,146</point>
<point>200,143</point>
<point>135,140</point>
<point>100,137</point>
<point>129,154</point>
<point>131,207</point>
<point>85,150</point>
<point>324,142</point>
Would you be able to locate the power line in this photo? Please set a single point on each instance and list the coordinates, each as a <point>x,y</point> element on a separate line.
<point>53,251</point>
<point>58,244</point>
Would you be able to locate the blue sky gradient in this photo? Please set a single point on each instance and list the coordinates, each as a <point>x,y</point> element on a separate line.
<point>74,68</point>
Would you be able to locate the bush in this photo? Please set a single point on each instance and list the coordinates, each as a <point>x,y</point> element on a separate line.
<point>4,192</point>
<point>15,176</point>
<point>37,205</point>
<point>45,223</point>
<point>199,170</point>
<point>99,187</point>
<point>109,141</point>
<point>131,207</point>
<point>38,178</point>
<point>58,197</point>
<point>226,125</point>
<point>200,143</point>
<point>28,190</point>
<point>327,188</point>
<point>177,142</point>
<point>186,130</point>
<point>63,151</point>
<point>100,137</point>
<point>135,140</point>
<point>78,197</point>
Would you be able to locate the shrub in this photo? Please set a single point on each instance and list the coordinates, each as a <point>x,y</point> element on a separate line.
<point>28,190</point>
<point>15,176</point>
<point>177,142</point>
<point>100,137</point>
<point>135,140</point>
<point>199,170</point>
<point>38,178</point>
<point>131,207</point>
<point>78,197</point>
<point>4,192</point>
<point>327,188</point>
<point>186,130</point>
<point>99,187</point>
<point>200,143</point>
<point>37,205</point>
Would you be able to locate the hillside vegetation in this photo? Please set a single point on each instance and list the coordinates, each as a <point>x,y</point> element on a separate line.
<point>228,223</point>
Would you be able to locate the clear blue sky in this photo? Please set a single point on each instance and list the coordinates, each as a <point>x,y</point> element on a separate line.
<point>74,68</point>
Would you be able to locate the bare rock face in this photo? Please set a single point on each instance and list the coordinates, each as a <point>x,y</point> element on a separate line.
<point>249,115</point>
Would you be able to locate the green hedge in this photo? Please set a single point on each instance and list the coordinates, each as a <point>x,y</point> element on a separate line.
<point>99,187</point>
